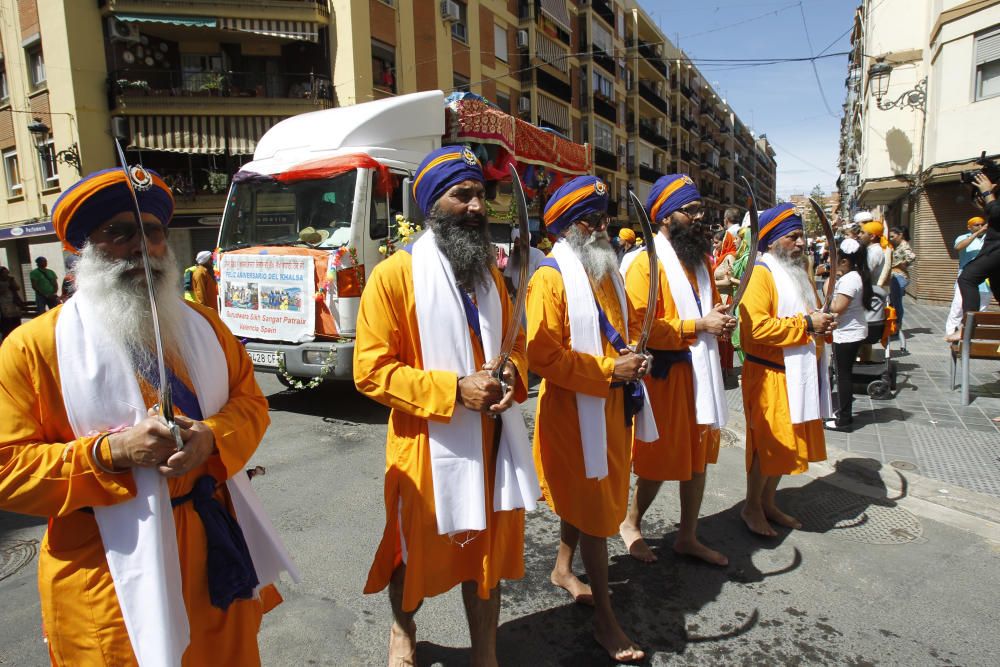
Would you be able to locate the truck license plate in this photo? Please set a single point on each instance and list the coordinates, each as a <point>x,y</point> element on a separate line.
<point>269,359</point>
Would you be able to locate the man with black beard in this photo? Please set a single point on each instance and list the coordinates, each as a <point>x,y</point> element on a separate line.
<point>136,525</point>
<point>685,384</point>
<point>786,389</point>
<point>579,323</point>
<point>431,321</point>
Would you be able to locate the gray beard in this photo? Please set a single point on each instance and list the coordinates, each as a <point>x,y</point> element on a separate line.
<point>796,268</point>
<point>122,303</point>
<point>468,250</point>
<point>595,252</point>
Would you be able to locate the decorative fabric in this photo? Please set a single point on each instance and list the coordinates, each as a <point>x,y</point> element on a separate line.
<point>806,379</point>
<point>441,169</point>
<point>777,222</point>
<point>139,535</point>
<point>456,448</point>
<point>576,198</point>
<point>711,408</point>
<point>726,248</point>
<point>585,336</point>
<point>670,193</point>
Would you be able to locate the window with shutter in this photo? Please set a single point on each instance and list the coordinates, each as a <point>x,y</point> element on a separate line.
<point>987,64</point>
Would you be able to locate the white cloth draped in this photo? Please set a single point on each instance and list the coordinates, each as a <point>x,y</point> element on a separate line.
<point>585,336</point>
<point>100,392</point>
<point>456,448</point>
<point>807,381</point>
<point>711,408</point>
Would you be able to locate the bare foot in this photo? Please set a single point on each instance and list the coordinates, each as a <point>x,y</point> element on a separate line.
<point>569,582</point>
<point>757,523</point>
<point>695,549</point>
<point>788,521</point>
<point>953,337</point>
<point>614,640</point>
<point>635,544</point>
<point>402,646</point>
<point>996,419</point>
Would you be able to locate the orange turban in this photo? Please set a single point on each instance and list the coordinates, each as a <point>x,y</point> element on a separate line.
<point>100,196</point>
<point>974,221</point>
<point>875,228</point>
<point>626,234</point>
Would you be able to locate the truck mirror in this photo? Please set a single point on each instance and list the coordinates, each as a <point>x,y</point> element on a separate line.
<point>411,211</point>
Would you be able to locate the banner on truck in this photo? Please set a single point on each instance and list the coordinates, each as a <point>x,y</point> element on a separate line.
<point>268,297</point>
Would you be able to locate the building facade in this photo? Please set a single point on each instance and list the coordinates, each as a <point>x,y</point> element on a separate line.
<point>923,93</point>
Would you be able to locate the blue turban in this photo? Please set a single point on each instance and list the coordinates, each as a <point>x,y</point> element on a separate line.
<point>670,193</point>
<point>100,196</point>
<point>775,223</point>
<point>573,200</point>
<point>441,169</point>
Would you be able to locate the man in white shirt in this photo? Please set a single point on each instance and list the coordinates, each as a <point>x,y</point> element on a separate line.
<point>512,272</point>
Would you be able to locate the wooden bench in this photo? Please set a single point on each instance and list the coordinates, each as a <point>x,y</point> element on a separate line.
<point>980,340</point>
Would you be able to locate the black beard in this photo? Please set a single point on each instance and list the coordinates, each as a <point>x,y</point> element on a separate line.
<point>467,248</point>
<point>691,242</point>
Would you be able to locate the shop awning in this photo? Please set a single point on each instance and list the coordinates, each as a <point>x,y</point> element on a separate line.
<point>185,21</point>
<point>558,12</point>
<point>883,191</point>
<point>200,135</point>
<point>305,31</point>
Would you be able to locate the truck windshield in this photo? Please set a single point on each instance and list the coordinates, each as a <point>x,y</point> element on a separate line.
<point>316,213</point>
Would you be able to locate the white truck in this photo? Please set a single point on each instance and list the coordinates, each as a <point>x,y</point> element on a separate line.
<point>308,219</point>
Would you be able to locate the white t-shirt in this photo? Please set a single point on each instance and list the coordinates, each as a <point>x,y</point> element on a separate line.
<point>851,324</point>
<point>876,260</point>
<point>535,258</point>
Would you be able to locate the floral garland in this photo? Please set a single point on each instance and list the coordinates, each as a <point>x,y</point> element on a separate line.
<point>337,259</point>
<point>295,383</point>
<point>404,232</point>
<point>508,216</point>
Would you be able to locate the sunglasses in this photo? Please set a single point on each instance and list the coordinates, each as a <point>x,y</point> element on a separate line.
<point>692,211</point>
<point>124,231</point>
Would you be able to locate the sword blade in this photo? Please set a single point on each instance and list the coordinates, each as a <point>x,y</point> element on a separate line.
<point>654,273</point>
<point>524,245</point>
<point>752,256</point>
<point>831,243</point>
<point>166,403</point>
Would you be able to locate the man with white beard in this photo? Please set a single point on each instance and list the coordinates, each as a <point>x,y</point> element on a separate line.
<point>786,392</point>
<point>685,384</point>
<point>579,322</point>
<point>130,571</point>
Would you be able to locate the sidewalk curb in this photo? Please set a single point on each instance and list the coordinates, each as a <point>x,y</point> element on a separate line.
<point>975,512</point>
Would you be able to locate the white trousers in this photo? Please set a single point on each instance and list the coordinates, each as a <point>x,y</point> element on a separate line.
<point>955,314</point>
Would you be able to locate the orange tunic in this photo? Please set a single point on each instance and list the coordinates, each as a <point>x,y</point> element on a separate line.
<point>594,506</point>
<point>46,471</point>
<point>206,291</point>
<point>684,447</point>
<point>782,447</point>
<point>388,368</point>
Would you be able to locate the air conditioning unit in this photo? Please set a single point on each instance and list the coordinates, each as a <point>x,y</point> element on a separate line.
<point>120,31</point>
<point>450,11</point>
<point>522,39</point>
<point>523,104</point>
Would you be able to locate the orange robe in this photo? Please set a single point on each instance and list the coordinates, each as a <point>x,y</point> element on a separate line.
<point>204,287</point>
<point>596,507</point>
<point>782,447</point>
<point>46,471</point>
<point>388,368</point>
<point>685,447</point>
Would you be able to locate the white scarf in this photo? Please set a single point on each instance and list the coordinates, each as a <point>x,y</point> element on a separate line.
<point>585,336</point>
<point>100,391</point>
<point>807,382</point>
<point>628,258</point>
<point>456,448</point>
<point>711,408</point>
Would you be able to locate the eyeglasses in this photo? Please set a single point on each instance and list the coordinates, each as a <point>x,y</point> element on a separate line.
<point>692,211</point>
<point>122,232</point>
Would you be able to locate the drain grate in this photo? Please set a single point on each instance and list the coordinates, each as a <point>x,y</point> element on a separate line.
<point>854,517</point>
<point>728,438</point>
<point>964,458</point>
<point>15,555</point>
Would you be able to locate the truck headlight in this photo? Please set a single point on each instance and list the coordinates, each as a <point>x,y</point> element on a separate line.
<point>320,357</point>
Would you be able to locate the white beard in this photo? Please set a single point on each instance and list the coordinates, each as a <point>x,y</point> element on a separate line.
<point>122,302</point>
<point>595,252</point>
<point>798,273</point>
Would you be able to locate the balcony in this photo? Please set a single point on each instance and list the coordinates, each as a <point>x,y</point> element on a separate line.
<point>553,85</point>
<point>648,52</point>
<point>649,133</point>
<point>648,174</point>
<point>650,95</point>
<point>551,52</point>
<point>605,159</point>
<point>603,59</point>
<point>685,90</point>
<point>605,109</point>
<point>603,9</point>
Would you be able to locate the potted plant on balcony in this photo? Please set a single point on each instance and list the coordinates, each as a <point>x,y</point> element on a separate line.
<point>132,87</point>
<point>217,181</point>
<point>212,83</point>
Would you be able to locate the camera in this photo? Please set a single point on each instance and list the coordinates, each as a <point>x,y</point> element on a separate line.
<point>988,167</point>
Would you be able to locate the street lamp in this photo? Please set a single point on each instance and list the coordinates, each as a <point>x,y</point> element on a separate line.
<point>878,81</point>
<point>40,132</point>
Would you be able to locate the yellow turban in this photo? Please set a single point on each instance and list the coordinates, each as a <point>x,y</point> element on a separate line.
<point>627,235</point>
<point>974,221</point>
<point>875,228</point>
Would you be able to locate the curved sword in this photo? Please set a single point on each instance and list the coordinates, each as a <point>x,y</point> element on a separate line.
<point>524,245</point>
<point>752,257</point>
<point>654,273</point>
<point>831,243</point>
<point>166,402</point>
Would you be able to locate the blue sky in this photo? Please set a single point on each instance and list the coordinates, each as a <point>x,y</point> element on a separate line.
<point>781,100</point>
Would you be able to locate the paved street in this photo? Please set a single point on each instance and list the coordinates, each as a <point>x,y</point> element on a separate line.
<point>889,570</point>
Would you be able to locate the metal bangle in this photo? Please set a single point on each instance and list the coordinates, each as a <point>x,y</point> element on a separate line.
<point>97,459</point>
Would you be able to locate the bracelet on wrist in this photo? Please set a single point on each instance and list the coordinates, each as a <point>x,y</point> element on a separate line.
<point>95,455</point>
<point>810,327</point>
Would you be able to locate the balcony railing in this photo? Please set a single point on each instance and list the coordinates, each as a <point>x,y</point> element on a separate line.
<point>648,173</point>
<point>648,52</point>
<point>605,159</point>
<point>605,109</point>
<point>124,83</point>
<point>650,95</point>
<point>686,91</point>
<point>650,134</point>
<point>603,9</point>
<point>604,60</point>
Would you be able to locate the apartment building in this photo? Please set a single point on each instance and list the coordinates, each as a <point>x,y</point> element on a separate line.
<point>923,93</point>
<point>597,71</point>
<point>189,87</point>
